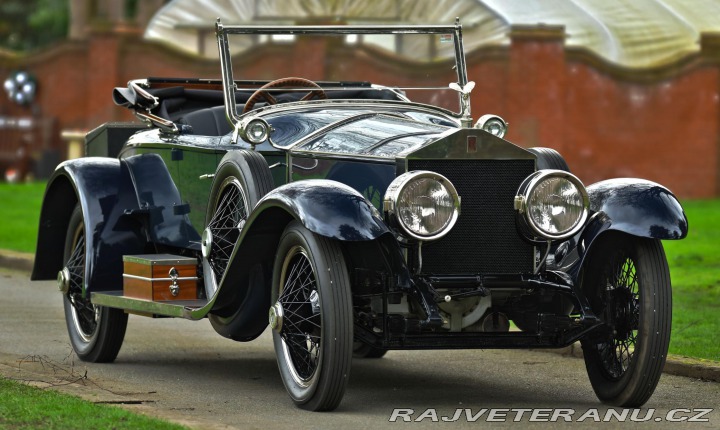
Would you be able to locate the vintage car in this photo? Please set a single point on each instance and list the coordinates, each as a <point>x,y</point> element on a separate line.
<point>354,221</point>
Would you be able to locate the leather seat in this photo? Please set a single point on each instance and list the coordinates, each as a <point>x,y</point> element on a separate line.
<point>209,121</point>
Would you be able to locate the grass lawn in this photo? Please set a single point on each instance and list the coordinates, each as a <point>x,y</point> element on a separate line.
<point>694,264</point>
<point>20,213</point>
<point>24,407</point>
<point>695,272</point>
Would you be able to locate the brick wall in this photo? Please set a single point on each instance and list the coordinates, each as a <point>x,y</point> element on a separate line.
<point>661,124</point>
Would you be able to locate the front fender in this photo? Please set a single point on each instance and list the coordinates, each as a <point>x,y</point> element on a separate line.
<point>327,208</point>
<point>638,207</point>
<point>633,206</point>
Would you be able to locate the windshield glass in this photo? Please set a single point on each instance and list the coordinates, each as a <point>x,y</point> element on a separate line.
<point>419,66</point>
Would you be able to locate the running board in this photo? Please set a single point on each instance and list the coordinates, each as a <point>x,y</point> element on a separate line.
<point>188,309</point>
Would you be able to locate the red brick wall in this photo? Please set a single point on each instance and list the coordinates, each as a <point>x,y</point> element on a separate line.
<point>661,124</point>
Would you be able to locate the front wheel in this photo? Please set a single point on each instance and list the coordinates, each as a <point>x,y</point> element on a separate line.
<point>627,282</point>
<point>311,318</point>
<point>96,332</point>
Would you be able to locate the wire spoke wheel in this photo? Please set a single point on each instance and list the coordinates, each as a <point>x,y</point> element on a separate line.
<point>242,178</point>
<point>229,216</point>
<point>622,310</point>
<point>312,318</point>
<point>627,282</point>
<point>302,325</point>
<point>96,332</point>
<point>85,315</point>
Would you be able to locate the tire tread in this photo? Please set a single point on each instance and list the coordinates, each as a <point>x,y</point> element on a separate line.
<point>635,389</point>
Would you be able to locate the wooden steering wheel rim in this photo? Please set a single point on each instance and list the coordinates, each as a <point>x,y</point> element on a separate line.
<point>284,82</point>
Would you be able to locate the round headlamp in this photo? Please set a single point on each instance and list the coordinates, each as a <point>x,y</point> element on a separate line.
<point>254,130</point>
<point>425,205</point>
<point>553,204</point>
<point>493,124</point>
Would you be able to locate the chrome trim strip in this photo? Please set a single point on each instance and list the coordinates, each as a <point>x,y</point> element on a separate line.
<point>159,259</point>
<point>163,124</point>
<point>460,61</point>
<point>327,128</point>
<point>397,137</point>
<point>188,309</point>
<point>341,156</point>
<point>390,104</point>
<point>340,29</point>
<point>143,278</point>
<point>337,124</point>
<point>229,85</point>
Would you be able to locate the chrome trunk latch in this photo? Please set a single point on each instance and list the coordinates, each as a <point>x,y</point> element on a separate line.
<point>174,287</point>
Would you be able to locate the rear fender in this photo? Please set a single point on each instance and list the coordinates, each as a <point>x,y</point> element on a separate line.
<point>129,206</point>
<point>104,190</point>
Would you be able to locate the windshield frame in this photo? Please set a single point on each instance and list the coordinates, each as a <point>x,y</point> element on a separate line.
<point>222,31</point>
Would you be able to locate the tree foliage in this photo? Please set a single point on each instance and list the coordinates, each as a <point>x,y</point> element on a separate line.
<point>26,25</point>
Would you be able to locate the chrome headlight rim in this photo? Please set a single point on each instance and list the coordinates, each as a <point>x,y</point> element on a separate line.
<point>531,183</point>
<point>244,127</point>
<point>395,190</point>
<point>487,121</point>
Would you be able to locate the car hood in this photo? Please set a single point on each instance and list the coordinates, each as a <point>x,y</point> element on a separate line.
<point>391,135</point>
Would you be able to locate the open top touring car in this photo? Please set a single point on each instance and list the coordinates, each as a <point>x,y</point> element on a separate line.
<point>354,221</point>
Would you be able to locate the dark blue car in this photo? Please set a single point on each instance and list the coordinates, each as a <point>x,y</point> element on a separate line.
<point>354,221</point>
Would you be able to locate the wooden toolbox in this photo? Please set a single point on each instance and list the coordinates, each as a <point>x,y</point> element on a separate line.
<point>160,277</point>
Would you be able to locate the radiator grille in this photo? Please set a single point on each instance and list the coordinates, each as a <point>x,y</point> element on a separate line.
<point>485,239</point>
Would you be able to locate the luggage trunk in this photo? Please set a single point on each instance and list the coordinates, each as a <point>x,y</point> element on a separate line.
<point>160,277</point>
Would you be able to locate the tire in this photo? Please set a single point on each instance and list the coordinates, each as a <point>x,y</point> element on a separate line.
<point>311,287</point>
<point>96,332</point>
<point>627,283</point>
<point>363,350</point>
<point>241,180</point>
<point>548,158</point>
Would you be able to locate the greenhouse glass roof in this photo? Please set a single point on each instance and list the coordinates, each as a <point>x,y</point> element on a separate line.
<point>630,33</point>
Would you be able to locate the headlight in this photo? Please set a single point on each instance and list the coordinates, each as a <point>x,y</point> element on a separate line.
<point>424,204</point>
<point>493,124</point>
<point>553,204</point>
<point>253,130</point>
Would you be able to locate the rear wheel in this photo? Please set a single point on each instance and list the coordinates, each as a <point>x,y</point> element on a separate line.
<point>242,179</point>
<point>96,332</point>
<point>628,285</point>
<point>311,318</point>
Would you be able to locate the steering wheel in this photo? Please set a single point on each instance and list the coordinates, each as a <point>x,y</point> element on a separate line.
<point>284,82</point>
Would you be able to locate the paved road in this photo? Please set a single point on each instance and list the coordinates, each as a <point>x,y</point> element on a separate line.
<point>183,369</point>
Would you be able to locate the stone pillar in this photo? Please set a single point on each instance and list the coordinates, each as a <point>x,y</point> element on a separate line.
<point>115,11</point>
<point>104,75</point>
<point>79,10</point>
<point>536,86</point>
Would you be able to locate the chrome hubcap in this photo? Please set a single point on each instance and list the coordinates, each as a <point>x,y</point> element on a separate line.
<point>276,317</point>
<point>63,280</point>
<point>207,240</point>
